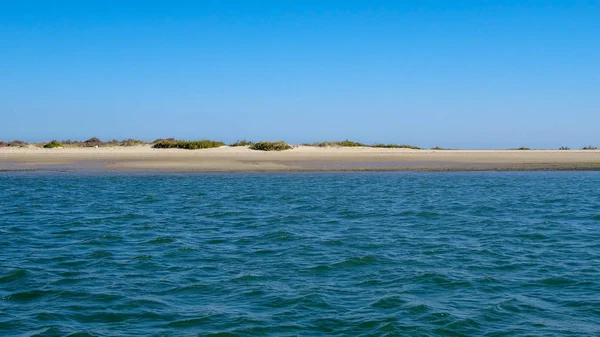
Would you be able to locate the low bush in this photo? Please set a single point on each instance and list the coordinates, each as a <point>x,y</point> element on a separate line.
<point>14,143</point>
<point>129,142</point>
<point>242,143</point>
<point>53,144</point>
<point>345,143</point>
<point>438,148</point>
<point>188,145</point>
<point>164,139</point>
<point>270,146</point>
<point>396,146</point>
<point>94,141</point>
<point>590,147</point>
<point>564,148</point>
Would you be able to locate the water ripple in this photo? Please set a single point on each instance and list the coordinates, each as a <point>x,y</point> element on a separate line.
<point>352,254</point>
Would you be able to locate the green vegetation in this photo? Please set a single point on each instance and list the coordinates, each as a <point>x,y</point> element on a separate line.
<point>242,143</point>
<point>345,143</point>
<point>163,140</point>
<point>349,143</point>
<point>523,148</point>
<point>564,148</point>
<point>590,147</point>
<point>129,142</point>
<point>438,148</point>
<point>395,146</point>
<point>188,145</point>
<point>270,146</point>
<point>95,141</point>
<point>53,144</point>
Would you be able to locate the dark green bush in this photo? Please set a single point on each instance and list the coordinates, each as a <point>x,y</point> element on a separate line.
<point>438,148</point>
<point>564,148</point>
<point>188,145</point>
<point>270,146</point>
<point>53,144</point>
<point>590,147</point>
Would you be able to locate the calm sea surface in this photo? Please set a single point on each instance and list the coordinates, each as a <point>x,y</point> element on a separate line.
<point>345,254</point>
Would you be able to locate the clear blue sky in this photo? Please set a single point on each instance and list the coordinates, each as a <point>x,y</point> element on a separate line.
<point>461,74</point>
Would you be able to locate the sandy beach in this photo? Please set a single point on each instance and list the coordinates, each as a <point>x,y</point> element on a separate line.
<point>302,158</point>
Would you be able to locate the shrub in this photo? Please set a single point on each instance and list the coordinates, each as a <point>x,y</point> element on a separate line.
<point>270,146</point>
<point>17,143</point>
<point>242,143</point>
<point>345,143</point>
<point>94,141</point>
<point>564,148</point>
<point>522,148</point>
<point>396,146</point>
<point>590,147</point>
<point>163,139</point>
<point>53,144</point>
<point>438,148</point>
<point>188,145</point>
<point>129,142</point>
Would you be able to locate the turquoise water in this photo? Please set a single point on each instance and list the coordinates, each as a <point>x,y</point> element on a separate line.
<point>346,254</point>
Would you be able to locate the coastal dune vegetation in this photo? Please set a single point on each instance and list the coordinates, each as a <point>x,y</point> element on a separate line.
<point>173,143</point>
<point>396,146</point>
<point>188,145</point>
<point>14,143</point>
<point>350,143</point>
<point>92,142</point>
<point>242,143</point>
<point>270,146</point>
<point>53,144</point>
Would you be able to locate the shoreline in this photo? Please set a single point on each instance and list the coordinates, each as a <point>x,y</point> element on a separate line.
<point>143,158</point>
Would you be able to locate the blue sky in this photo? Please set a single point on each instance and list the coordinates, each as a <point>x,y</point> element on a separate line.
<point>460,74</point>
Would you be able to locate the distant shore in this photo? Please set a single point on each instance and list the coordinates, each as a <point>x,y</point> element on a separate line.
<point>300,158</point>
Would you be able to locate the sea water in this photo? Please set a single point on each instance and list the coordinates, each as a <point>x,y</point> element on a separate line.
<point>300,254</point>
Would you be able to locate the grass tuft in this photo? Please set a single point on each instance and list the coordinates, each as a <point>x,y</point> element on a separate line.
<point>564,148</point>
<point>270,146</point>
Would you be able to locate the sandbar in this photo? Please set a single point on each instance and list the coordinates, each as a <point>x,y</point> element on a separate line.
<point>300,158</point>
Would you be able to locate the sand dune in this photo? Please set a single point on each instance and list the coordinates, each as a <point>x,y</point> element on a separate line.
<point>302,158</point>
